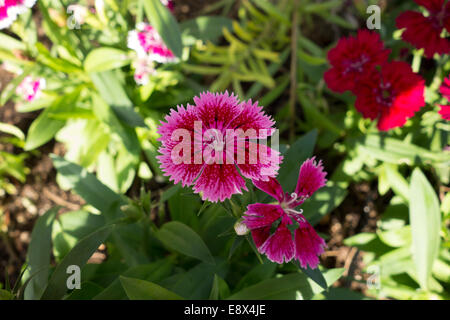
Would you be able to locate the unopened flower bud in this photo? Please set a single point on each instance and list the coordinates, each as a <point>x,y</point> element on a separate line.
<point>240,228</point>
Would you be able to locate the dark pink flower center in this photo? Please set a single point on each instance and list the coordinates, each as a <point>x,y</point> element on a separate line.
<point>437,19</point>
<point>289,203</point>
<point>384,94</point>
<point>355,66</point>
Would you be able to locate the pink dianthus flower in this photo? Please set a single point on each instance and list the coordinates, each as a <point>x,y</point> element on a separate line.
<point>280,245</point>
<point>215,161</point>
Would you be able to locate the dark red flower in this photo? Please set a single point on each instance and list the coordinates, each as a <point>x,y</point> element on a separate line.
<point>426,32</point>
<point>352,58</point>
<point>445,90</point>
<point>392,95</point>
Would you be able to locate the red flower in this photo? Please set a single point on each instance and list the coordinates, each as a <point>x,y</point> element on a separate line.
<point>445,90</point>
<point>352,58</point>
<point>425,32</point>
<point>392,95</point>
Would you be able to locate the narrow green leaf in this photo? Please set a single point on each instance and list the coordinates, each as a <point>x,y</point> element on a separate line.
<point>112,90</point>
<point>38,255</point>
<point>137,289</point>
<point>44,128</point>
<point>206,28</point>
<point>155,271</point>
<point>294,157</point>
<point>290,286</point>
<point>89,188</point>
<point>181,238</point>
<point>11,129</point>
<point>103,59</point>
<point>214,295</point>
<point>425,219</point>
<point>78,256</point>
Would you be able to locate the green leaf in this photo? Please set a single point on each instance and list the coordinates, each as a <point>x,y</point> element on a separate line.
<point>396,238</point>
<point>71,227</point>
<point>181,238</point>
<point>396,181</point>
<point>324,201</point>
<point>166,25</point>
<point>11,129</point>
<point>79,255</point>
<point>294,157</point>
<point>89,188</point>
<point>259,273</point>
<point>38,255</point>
<point>103,59</point>
<point>207,28</point>
<point>57,64</point>
<point>316,275</point>
<point>214,295</point>
<point>290,286</point>
<point>396,151</point>
<point>6,295</point>
<point>9,43</point>
<point>273,11</point>
<point>87,292</point>
<point>111,89</point>
<point>44,128</point>
<point>196,283</point>
<point>425,219</point>
<point>184,208</point>
<point>137,289</point>
<point>155,271</point>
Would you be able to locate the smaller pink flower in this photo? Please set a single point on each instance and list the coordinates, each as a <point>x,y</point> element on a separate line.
<point>169,4</point>
<point>143,68</point>
<point>79,12</point>
<point>445,90</point>
<point>30,89</point>
<point>146,41</point>
<point>10,9</point>
<point>279,245</point>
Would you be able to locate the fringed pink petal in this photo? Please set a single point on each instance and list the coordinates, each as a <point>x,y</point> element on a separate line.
<point>272,187</point>
<point>308,245</point>
<point>257,161</point>
<point>445,112</point>
<point>279,247</point>
<point>261,215</point>
<point>260,236</point>
<point>218,182</point>
<point>175,168</point>
<point>251,116</point>
<point>311,177</point>
<point>445,87</point>
<point>216,110</point>
<point>182,118</point>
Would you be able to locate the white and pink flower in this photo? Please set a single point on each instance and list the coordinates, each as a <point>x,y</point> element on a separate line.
<point>143,68</point>
<point>31,89</point>
<point>146,41</point>
<point>169,4</point>
<point>10,9</point>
